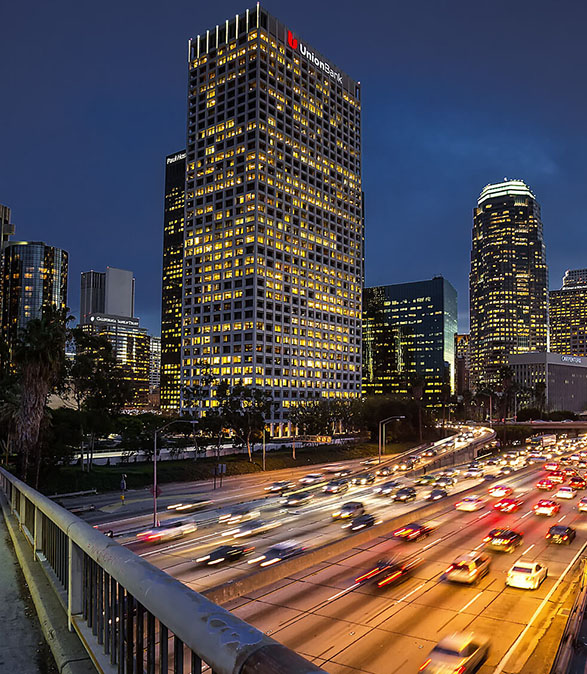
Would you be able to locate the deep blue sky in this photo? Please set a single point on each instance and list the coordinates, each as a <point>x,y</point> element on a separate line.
<point>455,95</point>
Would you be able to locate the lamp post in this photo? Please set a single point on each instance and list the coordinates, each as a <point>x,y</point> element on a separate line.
<point>158,430</point>
<point>382,425</point>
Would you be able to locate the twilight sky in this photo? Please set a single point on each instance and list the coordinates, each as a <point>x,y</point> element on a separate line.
<point>455,94</point>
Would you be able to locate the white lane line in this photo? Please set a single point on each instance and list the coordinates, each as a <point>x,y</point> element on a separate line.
<point>466,606</point>
<point>484,515</point>
<point>528,550</point>
<point>479,546</point>
<point>339,594</point>
<point>503,662</point>
<point>562,518</point>
<point>411,593</point>
<point>526,515</point>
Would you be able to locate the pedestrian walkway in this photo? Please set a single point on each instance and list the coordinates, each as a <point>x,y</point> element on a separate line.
<point>23,650</point>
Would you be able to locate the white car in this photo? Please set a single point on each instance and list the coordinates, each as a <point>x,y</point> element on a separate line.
<point>474,473</point>
<point>526,575</point>
<point>470,503</point>
<point>565,492</point>
<point>311,478</point>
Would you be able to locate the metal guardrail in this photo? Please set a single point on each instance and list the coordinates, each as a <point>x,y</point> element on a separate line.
<point>132,617</point>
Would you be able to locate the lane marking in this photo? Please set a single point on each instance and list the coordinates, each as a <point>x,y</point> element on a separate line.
<point>528,549</point>
<point>526,515</point>
<point>466,606</point>
<point>339,594</point>
<point>562,518</point>
<point>411,593</point>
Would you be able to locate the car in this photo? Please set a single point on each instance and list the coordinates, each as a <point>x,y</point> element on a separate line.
<point>470,503</point>
<point>370,462</point>
<point>280,486</point>
<point>450,472</point>
<point>406,464</point>
<point>384,471</point>
<point>551,465</point>
<point>238,514</point>
<point>577,482</point>
<point>224,553</point>
<point>546,507</point>
<point>557,476</point>
<point>492,462</point>
<point>459,652</point>
<point>348,510</point>
<point>570,472</point>
<point>500,490</point>
<point>251,528</point>
<point>311,478</point>
<point>582,505</point>
<point>444,482</point>
<point>436,494</point>
<point>561,535</point>
<point>582,464</point>
<point>299,499</point>
<point>388,572</point>
<point>505,471</point>
<point>361,522</point>
<point>426,480</point>
<point>168,531</point>
<point>278,552</point>
<point>468,568</point>
<point>505,540</point>
<point>367,478</point>
<point>508,505</point>
<point>429,453</point>
<point>526,575</point>
<point>488,477</point>
<point>388,488</point>
<point>338,471</point>
<point>473,473</point>
<point>565,492</point>
<point>336,487</point>
<point>413,531</point>
<point>406,494</point>
<point>545,484</point>
<point>189,506</point>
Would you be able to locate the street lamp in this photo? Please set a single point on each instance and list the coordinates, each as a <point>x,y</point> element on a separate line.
<point>158,430</point>
<point>382,425</point>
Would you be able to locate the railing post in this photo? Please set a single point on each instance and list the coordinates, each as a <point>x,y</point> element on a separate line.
<point>22,511</point>
<point>38,533</point>
<point>75,581</point>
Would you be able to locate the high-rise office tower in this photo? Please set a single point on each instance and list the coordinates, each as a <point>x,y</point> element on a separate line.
<point>6,231</point>
<point>462,363</point>
<point>273,243</point>
<point>111,292</point>
<point>408,332</point>
<point>154,364</point>
<point>34,278</point>
<point>568,315</point>
<point>171,286</point>
<point>508,281</point>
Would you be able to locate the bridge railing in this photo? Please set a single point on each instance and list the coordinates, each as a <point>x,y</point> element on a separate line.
<point>132,617</point>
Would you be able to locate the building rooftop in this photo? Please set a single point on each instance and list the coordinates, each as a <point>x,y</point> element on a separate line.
<point>505,188</point>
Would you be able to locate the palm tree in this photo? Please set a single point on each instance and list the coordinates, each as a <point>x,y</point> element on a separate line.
<point>39,358</point>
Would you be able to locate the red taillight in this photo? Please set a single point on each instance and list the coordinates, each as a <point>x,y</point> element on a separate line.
<point>423,667</point>
<point>389,579</point>
<point>460,670</point>
<point>565,537</point>
<point>548,535</point>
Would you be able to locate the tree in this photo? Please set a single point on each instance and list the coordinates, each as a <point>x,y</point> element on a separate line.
<point>39,357</point>
<point>417,391</point>
<point>244,410</point>
<point>539,396</point>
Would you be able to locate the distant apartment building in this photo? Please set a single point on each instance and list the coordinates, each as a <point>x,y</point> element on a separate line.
<point>462,363</point>
<point>408,332</point>
<point>568,314</point>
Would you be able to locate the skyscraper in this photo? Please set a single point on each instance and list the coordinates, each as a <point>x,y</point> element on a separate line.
<point>111,292</point>
<point>34,279</point>
<point>408,331</point>
<point>462,363</point>
<point>171,295</point>
<point>273,243</point>
<point>6,231</point>
<point>568,315</point>
<point>508,281</point>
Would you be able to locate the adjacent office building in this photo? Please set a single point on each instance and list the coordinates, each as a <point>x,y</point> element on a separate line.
<point>6,231</point>
<point>154,364</point>
<point>273,232</point>
<point>34,278</point>
<point>408,332</point>
<point>508,279</point>
<point>568,314</point>
<point>564,378</point>
<point>111,292</point>
<point>171,295</point>
<point>462,363</point>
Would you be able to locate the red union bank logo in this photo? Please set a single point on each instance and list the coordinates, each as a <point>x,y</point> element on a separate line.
<point>294,43</point>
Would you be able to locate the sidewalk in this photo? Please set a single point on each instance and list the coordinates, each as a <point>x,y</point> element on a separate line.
<point>23,650</point>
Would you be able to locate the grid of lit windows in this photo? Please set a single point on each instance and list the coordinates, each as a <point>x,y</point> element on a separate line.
<point>273,243</point>
<point>568,321</point>
<point>408,330</point>
<point>508,280</point>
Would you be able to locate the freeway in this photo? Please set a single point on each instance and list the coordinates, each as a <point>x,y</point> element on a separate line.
<point>344,628</point>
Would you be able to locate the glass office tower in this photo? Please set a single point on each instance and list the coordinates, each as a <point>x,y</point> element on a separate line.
<point>273,241</point>
<point>408,331</point>
<point>568,315</point>
<point>508,280</point>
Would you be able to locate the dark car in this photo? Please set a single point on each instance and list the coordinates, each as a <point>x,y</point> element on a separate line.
<point>299,499</point>
<point>503,540</point>
<point>361,522</point>
<point>577,482</point>
<point>225,553</point>
<point>437,494</point>
<point>405,494</point>
<point>444,482</point>
<point>413,531</point>
<point>388,488</point>
<point>384,471</point>
<point>336,487</point>
<point>278,553</point>
<point>367,478</point>
<point>561,535</point>
<point>389,572</point>
<point>429,453</point>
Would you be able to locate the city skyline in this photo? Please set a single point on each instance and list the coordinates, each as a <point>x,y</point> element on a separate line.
<point>444,144</point>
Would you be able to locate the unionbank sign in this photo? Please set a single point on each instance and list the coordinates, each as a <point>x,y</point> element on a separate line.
<point>296,44</point>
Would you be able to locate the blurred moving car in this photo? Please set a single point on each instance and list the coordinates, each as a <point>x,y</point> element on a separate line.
<point>500,490</point>
<point>456,654</point>
<point>336,487</point>
<point>565,492</point>
<point>311,478</point>
<point>557,476</point>
<point>388,488</point>
<point>280,486</point>
<point>348,510</point>
<point>582,505</point>
<point>299,499</point>
<point>168,531</point>
<point>384,471</point>
<point>239,514</point>
<point>278,552</point>
<point>389,572</point>
<point>425,480</point>
<point>361,522</point>
<point>252,527</point>
<point>224,553</point>
<point>508,505</point>
<point>468,568</point>
<point>547,507</point>
<point>189,506</point>
<point>367,478</point>
<point>503,540</point>
<point>545,484</point>
<point>471,503</point>
<point>473,473</point>
<point>437,494</point>
<point>413,531</point>
<point>405,494</point>
<point>561,535</point>
<point>577,482</point>
<point>526,575</point>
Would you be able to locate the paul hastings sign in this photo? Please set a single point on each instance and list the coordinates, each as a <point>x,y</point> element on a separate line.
<point>298,45</point>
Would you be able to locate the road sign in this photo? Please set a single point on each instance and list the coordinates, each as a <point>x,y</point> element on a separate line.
<point>222,468</point>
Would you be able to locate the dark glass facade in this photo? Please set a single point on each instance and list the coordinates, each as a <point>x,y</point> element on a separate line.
<point>34,278</point>
<point>508,281</point>
<point>408,331</point>
<point>171,295</point>
<point>274,222</point>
